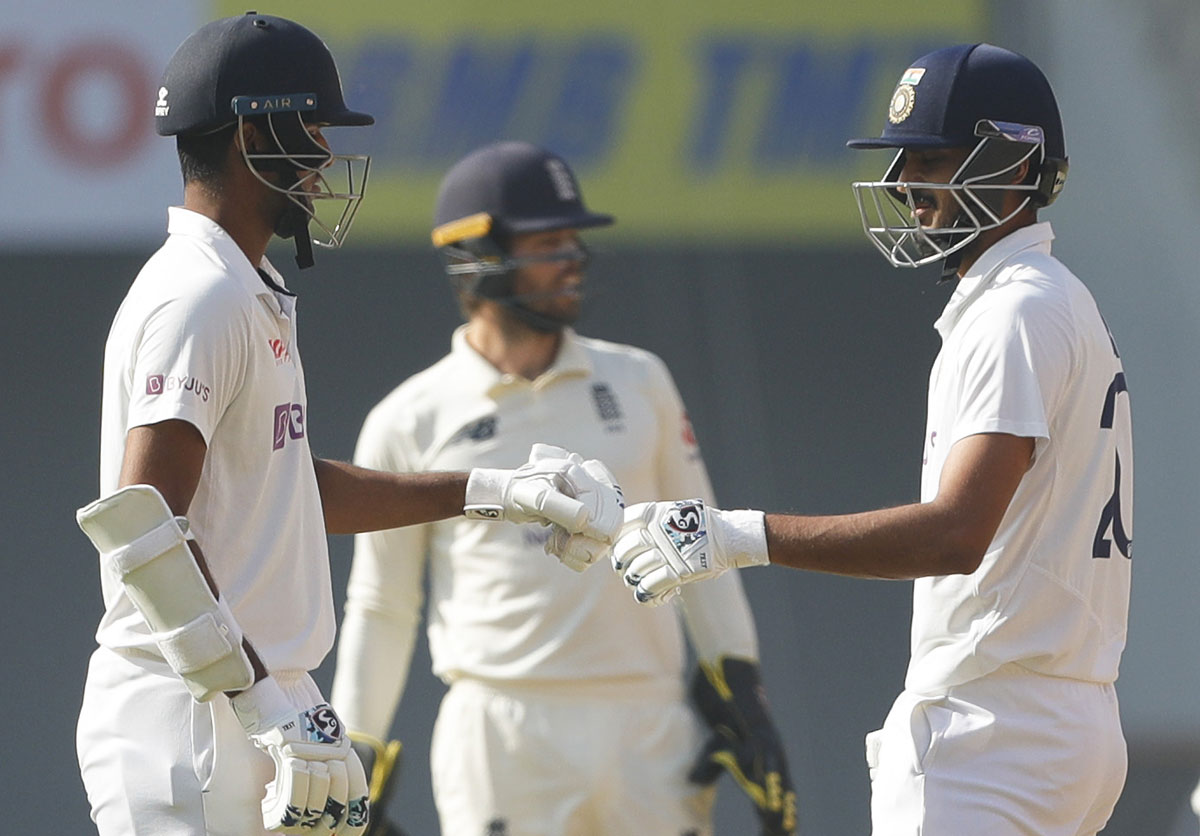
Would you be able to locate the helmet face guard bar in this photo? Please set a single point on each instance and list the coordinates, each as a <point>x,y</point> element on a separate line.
<point>889,212</point>
<point>465,263</point>
<point>308,171</point>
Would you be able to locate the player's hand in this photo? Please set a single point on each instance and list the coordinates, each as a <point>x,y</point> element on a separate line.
<point>664,545</point>
<point>319,786</point>
<point>579,499</point>
<point>605,502</point>
<point>729,696</point>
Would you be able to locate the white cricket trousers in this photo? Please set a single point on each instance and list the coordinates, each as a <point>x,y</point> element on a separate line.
<point>1013,753</point>
<point>157,763</point>
<point>578,759</point>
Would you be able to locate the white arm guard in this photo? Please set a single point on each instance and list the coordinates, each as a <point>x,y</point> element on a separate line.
<point>145,546</point>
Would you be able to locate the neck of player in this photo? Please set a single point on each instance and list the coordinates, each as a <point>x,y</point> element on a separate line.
<point>510,345</point>
<point>242,219</point>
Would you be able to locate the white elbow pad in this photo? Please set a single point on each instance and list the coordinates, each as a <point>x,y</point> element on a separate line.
<point>145,547</point>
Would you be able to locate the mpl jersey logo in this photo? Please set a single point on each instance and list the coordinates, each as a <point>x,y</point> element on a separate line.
<point>281,351</point>
<point>157,384</point>
<point>289,424</point>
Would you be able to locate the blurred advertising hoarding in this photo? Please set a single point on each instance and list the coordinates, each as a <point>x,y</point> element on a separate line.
<point>79,160</point>
<point>700,119</point>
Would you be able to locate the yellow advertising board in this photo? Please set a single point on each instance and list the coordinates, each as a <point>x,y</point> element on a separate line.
<point>699,119</point>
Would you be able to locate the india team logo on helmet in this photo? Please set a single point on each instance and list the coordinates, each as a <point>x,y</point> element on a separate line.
<point>902,103</point>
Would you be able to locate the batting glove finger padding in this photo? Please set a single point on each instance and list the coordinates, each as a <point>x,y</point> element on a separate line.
<point>319,784</point>
<point>358,808</point>
<point>335,804</point>
<point>575,551</point>
<point>556,488</point>
<point>381,764</point>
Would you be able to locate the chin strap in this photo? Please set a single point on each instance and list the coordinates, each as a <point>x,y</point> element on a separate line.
<point>538,322</point>
<point>950,267</point>
<point>304,250</point>
<point>951,262</point>
<point>495,286</point>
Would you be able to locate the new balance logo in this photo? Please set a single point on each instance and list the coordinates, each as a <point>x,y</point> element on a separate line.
<point>480,430</point>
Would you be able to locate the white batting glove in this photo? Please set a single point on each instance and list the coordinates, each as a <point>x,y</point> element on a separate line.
<point>664,545</point>
<point>579,499</point>
<point>319,786</point>
<point>605,503</point>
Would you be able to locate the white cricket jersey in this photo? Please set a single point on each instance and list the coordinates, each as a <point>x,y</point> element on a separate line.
<point>1026,352</point>
<point>500,609</point>
<point>201,338</point>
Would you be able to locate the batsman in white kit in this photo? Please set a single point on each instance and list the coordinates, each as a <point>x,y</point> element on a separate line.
<point>199,715</point>
<point>1021,545</point>
<point>567,712</point>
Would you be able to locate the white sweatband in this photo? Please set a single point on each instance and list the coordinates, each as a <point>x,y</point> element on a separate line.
<point>144,546</point>
<point>262,706</point>
<point>744,536</point>
<point>485,493</point>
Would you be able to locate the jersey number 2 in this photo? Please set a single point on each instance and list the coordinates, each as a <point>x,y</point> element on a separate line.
<point>1110,517</point>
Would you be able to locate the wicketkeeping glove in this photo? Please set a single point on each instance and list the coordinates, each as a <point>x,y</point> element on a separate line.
<point>381,761</point>
<point>579,499</point>
<point>664,545</point>
<point>729,696</point>
<point>319,786</point>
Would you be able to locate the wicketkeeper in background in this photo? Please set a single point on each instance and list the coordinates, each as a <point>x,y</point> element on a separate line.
<point>567,711</point>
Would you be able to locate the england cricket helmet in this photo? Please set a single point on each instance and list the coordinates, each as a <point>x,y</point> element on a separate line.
<point>281,74</point>
<point>494,193</point>
<point>977,96</point>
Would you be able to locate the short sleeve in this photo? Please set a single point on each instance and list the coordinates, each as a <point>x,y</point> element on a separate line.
<point>188,362</point>
<point>1014,360</point>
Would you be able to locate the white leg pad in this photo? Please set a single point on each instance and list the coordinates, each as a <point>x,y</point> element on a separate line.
<point>145,546</point>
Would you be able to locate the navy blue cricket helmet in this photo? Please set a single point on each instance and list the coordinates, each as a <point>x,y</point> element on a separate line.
<point>281,74</point>
<point>260,58</point>
<point>494,193</point>
<point>990,100</point>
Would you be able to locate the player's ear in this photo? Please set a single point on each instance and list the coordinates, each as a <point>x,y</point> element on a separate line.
<point>246,137</point>
<point>1021,175</point>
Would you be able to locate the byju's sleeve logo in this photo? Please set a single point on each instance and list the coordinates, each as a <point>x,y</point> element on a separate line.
<point>157,384</point>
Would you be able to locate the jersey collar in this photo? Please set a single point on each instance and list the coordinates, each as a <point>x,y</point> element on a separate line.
<point>572,361</point>
<point>185,222</point>
<point>985,269</point>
